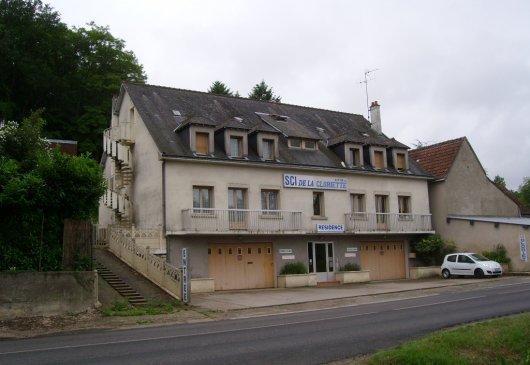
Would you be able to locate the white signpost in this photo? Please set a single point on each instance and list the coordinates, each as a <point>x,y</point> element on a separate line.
<point>185,283</point>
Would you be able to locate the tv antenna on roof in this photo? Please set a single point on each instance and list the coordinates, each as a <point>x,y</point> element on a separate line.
<point>365,82</point>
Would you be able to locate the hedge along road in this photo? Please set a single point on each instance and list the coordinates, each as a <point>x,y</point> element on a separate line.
<point>309,337</point>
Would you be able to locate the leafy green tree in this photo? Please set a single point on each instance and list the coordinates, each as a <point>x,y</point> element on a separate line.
<point>71,73</point>
<point>524,192</point>
<point>218,87</point>
<point>262,91</point>
<point>39,188</point>
<point>499,180</point>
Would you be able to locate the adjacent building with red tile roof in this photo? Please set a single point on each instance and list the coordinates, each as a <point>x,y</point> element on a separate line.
<point>467,207</point>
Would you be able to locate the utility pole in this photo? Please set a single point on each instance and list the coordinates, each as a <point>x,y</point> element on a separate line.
<point>365,82</point>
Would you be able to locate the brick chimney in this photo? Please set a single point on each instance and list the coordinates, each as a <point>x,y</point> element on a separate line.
<point>375,117</point>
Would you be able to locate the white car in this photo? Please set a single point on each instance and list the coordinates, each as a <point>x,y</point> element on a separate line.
<point>471,264</point>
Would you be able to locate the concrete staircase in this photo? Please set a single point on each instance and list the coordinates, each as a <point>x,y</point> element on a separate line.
<point>124,289</point>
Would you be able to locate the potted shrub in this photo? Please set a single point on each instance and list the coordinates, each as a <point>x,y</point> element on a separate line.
<point>294,274</point>
<point>352,273</point>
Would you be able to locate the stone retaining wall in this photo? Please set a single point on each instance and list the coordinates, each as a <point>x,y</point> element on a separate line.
<point>27,294</point>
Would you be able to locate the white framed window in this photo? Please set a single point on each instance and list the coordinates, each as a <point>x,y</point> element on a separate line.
<point>358,206</point>
<point>268,149</point>
<point>269,200</point>
<point>236,146</point>
<point>404,207</point>
<point>202,198</point>
<point>355,156</point>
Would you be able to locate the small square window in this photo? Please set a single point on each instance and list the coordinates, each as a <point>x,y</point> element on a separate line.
<point>230,251</point>
<point>220,251</point>
<point>239,251</point>
<point>249,251</point>
<point>310,145</point>
<point>269,250</point>
<point>259,250</point>
<point>295,143</point>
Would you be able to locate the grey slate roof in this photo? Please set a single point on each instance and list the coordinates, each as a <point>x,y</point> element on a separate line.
<point>157,106</point>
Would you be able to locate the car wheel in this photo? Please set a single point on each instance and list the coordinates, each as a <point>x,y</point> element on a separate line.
<point>479,273</point>
<point>446,274</point>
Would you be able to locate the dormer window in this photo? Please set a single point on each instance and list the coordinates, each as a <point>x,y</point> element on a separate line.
<point>353,155</point>
<point>306,144</point>
<point>378,158</point>
<point>236,146</point>
<point>400,160</point>
<point>268,149</point>
<point>201,143</point>
<point>201,140</point>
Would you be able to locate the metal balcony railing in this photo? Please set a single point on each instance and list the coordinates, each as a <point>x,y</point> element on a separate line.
<point>229,220</point>
<point>388,222</point>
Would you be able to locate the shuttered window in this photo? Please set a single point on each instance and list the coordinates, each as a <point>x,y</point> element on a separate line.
<point>202,143</point>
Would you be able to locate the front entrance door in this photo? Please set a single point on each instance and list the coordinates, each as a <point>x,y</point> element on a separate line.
<point>321,260</point>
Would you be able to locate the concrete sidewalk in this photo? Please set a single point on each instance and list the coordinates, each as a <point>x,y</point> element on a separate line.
<point>258,298</point>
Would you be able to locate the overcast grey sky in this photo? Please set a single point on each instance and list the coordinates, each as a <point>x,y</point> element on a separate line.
<point>446,69</point>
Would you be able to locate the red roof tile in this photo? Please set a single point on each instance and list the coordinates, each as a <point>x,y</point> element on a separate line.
<point>438,158</point>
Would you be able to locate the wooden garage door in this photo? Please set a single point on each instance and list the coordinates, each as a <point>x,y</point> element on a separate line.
<point>241,266</point>
<point>385,260</point>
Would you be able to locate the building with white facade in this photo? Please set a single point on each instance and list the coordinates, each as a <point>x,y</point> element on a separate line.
<point>248,186</point>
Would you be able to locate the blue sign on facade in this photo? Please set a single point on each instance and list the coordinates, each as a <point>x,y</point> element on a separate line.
<point>524,254</point>
<point>325,227</point>
<point>314,182</point>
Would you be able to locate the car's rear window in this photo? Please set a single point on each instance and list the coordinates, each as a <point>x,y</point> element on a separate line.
<point>451,258</point>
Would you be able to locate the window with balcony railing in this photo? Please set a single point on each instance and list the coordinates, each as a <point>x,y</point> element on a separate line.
<point>202,199</point>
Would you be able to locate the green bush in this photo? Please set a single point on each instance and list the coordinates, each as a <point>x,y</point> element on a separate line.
<point>432,249</point>
<point>350,266</point>
<point>498,254</point>
<point>293,268</point>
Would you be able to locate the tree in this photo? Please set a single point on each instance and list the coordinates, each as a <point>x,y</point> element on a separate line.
<point>39,188</point>
<point>262,91</point>
<point>71,73</point>
<point>524,192</point>
<point>499,180</point>
<point>218,87</point>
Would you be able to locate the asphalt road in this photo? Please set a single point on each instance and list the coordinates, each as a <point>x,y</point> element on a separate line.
<point>310,337</point>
